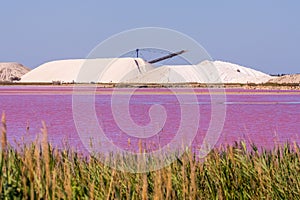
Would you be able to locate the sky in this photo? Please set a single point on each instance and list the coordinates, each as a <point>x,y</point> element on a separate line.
<point>264,35</point>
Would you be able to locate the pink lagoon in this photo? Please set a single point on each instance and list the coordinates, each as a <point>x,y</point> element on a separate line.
<point>265,118</point>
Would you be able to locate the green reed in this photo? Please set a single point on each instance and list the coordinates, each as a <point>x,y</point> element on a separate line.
<point>39,171</point>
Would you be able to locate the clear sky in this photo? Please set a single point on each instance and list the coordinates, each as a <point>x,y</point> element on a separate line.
<point>264,35</point>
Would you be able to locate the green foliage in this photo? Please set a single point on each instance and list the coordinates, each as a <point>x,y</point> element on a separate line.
<point>234,172</point>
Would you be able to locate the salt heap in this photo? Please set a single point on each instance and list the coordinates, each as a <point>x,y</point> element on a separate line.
<point>204,72</point>
<point>104,70</point>
<point>286,79</point>
<point>136,70</point>
<point>12,71</point>
<point>233,73</point>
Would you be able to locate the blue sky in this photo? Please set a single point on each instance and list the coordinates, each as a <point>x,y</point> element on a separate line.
<point>264,35</point>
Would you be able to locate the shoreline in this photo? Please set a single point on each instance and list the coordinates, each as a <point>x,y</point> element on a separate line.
<point>250,86</point>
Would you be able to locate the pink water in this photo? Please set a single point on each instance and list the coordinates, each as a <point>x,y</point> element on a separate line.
<point>262,117</point>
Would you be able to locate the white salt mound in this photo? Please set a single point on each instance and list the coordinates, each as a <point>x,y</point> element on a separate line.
<point>136,70</point>
<point>103,70</point>
<point>233,73</point>
<point>204,72</point>
<point>292,78</point>
<point>12,71</point>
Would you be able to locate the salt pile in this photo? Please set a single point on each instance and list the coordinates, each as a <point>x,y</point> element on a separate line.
<point>204,72</point>
<point>292,78</point>
<point>233,73</point>
<point>136,70</point>
<point>12,71</point>
<point>105,70</point>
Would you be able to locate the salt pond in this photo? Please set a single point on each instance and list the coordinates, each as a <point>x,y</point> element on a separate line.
<point>263,117</point>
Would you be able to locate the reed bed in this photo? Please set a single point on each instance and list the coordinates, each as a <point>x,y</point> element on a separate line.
<point>39,171</point>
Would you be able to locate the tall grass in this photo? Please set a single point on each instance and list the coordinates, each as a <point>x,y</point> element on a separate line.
<point>38,171</point>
